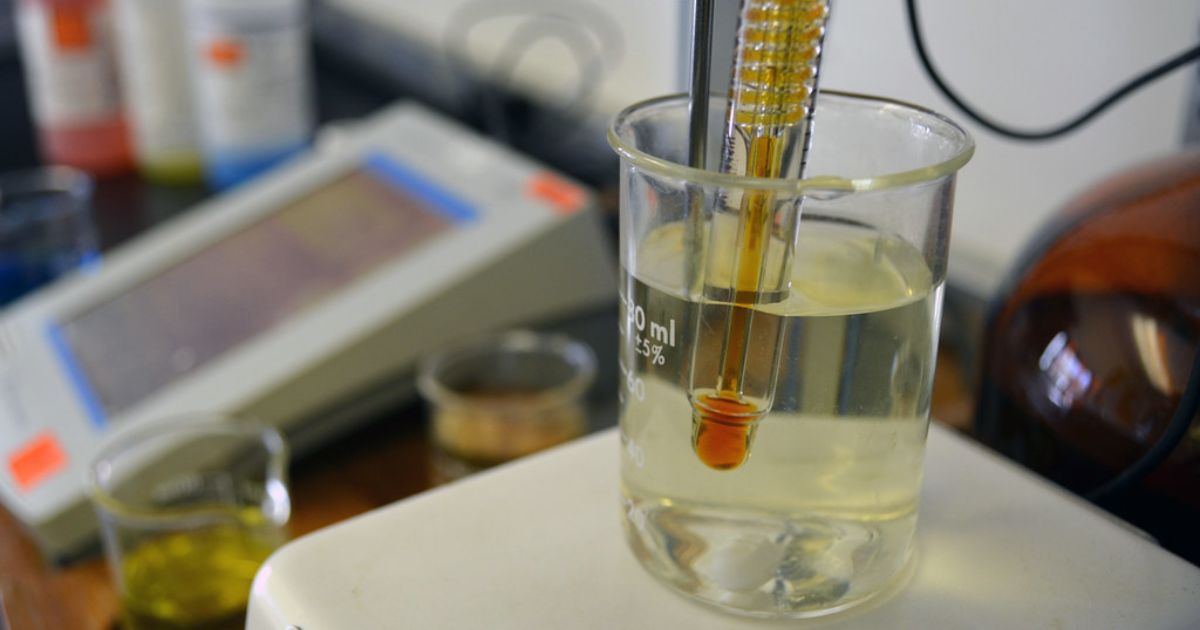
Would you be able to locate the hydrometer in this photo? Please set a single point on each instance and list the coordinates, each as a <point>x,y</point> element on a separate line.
<point>766,135</point>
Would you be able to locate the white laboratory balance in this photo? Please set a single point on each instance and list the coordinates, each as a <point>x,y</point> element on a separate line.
<point>537,543</point>
<point>289,301</point>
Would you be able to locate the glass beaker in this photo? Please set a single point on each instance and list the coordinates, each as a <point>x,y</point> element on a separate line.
<point>188,509</point>
<point>46,227</point>
<point>813,508</point>
<point>501,397</point>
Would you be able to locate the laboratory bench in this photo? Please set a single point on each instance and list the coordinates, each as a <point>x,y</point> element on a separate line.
<point>382,461</point>
<point>386,459</point>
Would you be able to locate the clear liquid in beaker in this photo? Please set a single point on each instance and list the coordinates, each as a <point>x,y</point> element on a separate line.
<point>822,513</point>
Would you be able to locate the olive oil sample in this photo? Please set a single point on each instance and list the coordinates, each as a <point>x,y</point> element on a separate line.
<point>193,580</point>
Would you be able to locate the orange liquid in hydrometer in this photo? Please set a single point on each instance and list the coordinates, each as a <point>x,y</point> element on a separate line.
<point>724,422</point>
<point>721,437</point>
<point>774,81</point>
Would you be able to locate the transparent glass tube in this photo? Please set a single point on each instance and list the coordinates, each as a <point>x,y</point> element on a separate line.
<point>767,129</point>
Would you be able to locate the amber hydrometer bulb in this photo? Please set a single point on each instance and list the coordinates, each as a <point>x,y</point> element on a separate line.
<point>767,125</point>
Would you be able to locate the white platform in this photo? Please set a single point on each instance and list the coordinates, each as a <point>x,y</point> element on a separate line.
<point>538,544</point>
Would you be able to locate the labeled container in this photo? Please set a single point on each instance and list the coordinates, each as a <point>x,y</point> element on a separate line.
<point>70,64</point>
<point>799,496</point>
<point>251,75</point>
<point>152,48</point>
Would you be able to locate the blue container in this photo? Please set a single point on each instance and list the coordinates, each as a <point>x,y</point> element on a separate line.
<point>46,228</point>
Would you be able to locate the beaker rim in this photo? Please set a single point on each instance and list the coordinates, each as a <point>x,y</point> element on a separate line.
<point>965,149</point>
<point>96,478</point>
<point>574,354</point>
<point>65,180</point>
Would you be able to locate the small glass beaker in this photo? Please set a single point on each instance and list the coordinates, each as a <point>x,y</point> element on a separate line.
<point>46,227</point>
<point>498,398</point>
<point>772,444</point>
<point>188,509</point>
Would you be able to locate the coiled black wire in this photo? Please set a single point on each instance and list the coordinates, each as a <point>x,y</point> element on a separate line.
<point>1129,87</point>
<point>1189,403</point>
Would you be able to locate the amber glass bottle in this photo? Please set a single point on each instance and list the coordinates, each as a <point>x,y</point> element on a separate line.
<point>1091,345</point>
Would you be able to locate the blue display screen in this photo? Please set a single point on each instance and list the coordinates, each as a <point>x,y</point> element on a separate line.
<point>126,348</point>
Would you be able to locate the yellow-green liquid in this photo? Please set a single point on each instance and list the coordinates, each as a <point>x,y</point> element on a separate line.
<point>173,169</point>
<point>196,580</point>
<point>821,513</point>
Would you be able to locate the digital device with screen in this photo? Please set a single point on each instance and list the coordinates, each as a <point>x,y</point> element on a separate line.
<point>300,296</point>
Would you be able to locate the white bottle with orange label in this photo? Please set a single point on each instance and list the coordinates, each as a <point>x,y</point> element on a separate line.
<point>250,70</point>
<point>68,52</point>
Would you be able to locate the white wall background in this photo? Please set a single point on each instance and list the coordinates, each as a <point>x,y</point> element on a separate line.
<point>646,60</point>
<point>1030,63</point>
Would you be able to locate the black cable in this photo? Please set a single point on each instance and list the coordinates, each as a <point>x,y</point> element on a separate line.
<point>1120,93</point>
<point>1189,406</point>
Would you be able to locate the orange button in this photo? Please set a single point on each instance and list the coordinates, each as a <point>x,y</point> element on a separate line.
<point>39,459</point>
<point>565,197</point>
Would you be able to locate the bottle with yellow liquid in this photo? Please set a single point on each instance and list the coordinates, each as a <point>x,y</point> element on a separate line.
<point>189,509</point>
<point>776,385</point>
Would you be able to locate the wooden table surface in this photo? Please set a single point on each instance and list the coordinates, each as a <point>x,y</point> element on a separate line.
<point>386,461</point>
